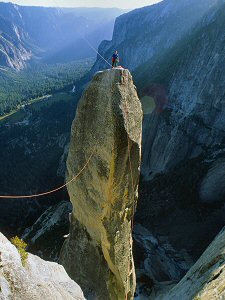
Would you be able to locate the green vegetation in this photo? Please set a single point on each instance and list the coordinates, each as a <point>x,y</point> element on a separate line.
<point>38,80</point>
<point>33,137</point>
<point>32,143</point>
<point>21,247</point>
<point>3,117</point>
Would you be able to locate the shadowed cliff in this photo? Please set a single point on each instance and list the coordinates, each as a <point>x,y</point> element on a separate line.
<point>206,279</point>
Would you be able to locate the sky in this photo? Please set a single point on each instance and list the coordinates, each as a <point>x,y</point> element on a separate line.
<point>127,4</point>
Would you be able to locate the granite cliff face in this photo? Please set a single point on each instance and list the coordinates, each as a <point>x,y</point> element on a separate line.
<point>36,279</point>
<point>98,252</point>
<point>182,191</point>
<point>13,50</point>
<point>182,188</point>
<point>195,115</point>
<point>146,33</point>
<point>206,279</point>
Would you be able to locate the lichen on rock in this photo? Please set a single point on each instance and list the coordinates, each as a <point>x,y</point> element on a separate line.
<point>98,252</point>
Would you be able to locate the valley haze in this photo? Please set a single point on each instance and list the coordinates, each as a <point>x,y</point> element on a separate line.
<point>141,148</point>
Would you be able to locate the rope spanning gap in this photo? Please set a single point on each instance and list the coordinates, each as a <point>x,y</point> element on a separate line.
<point>56,189</point>
<point>93,48</point>
<point>89,44</point>
<point>82,37</point>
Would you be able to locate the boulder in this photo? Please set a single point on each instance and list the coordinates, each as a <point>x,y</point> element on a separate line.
<point>36,279</point>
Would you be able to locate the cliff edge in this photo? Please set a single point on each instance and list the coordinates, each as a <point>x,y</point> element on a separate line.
<point>98,251</point>
<point>33,278</point>
<point>206,279</point>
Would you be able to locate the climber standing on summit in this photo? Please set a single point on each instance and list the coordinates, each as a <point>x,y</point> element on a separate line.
<point>115,59</point>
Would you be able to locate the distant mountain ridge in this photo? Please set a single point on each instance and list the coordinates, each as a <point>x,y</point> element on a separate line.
<point>50,34</point>
<point>13,50</point>
<point>145,33</point>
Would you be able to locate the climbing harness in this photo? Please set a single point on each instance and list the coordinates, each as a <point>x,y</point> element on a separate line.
<point>56,189</point>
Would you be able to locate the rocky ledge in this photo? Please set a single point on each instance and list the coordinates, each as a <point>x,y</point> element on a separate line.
<point>34,279</point>
<point>206,279</point>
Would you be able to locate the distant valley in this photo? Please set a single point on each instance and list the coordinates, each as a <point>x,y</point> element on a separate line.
<point>41,49</point>
<point>175,50</point>
<point>51,34</point>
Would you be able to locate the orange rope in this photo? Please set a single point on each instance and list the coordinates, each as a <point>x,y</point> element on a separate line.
<point>56,189</point>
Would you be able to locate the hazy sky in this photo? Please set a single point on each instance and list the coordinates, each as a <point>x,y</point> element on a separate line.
<point>89,3</point>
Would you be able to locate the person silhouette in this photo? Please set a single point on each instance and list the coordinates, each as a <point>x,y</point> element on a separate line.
<point>115,59</point>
